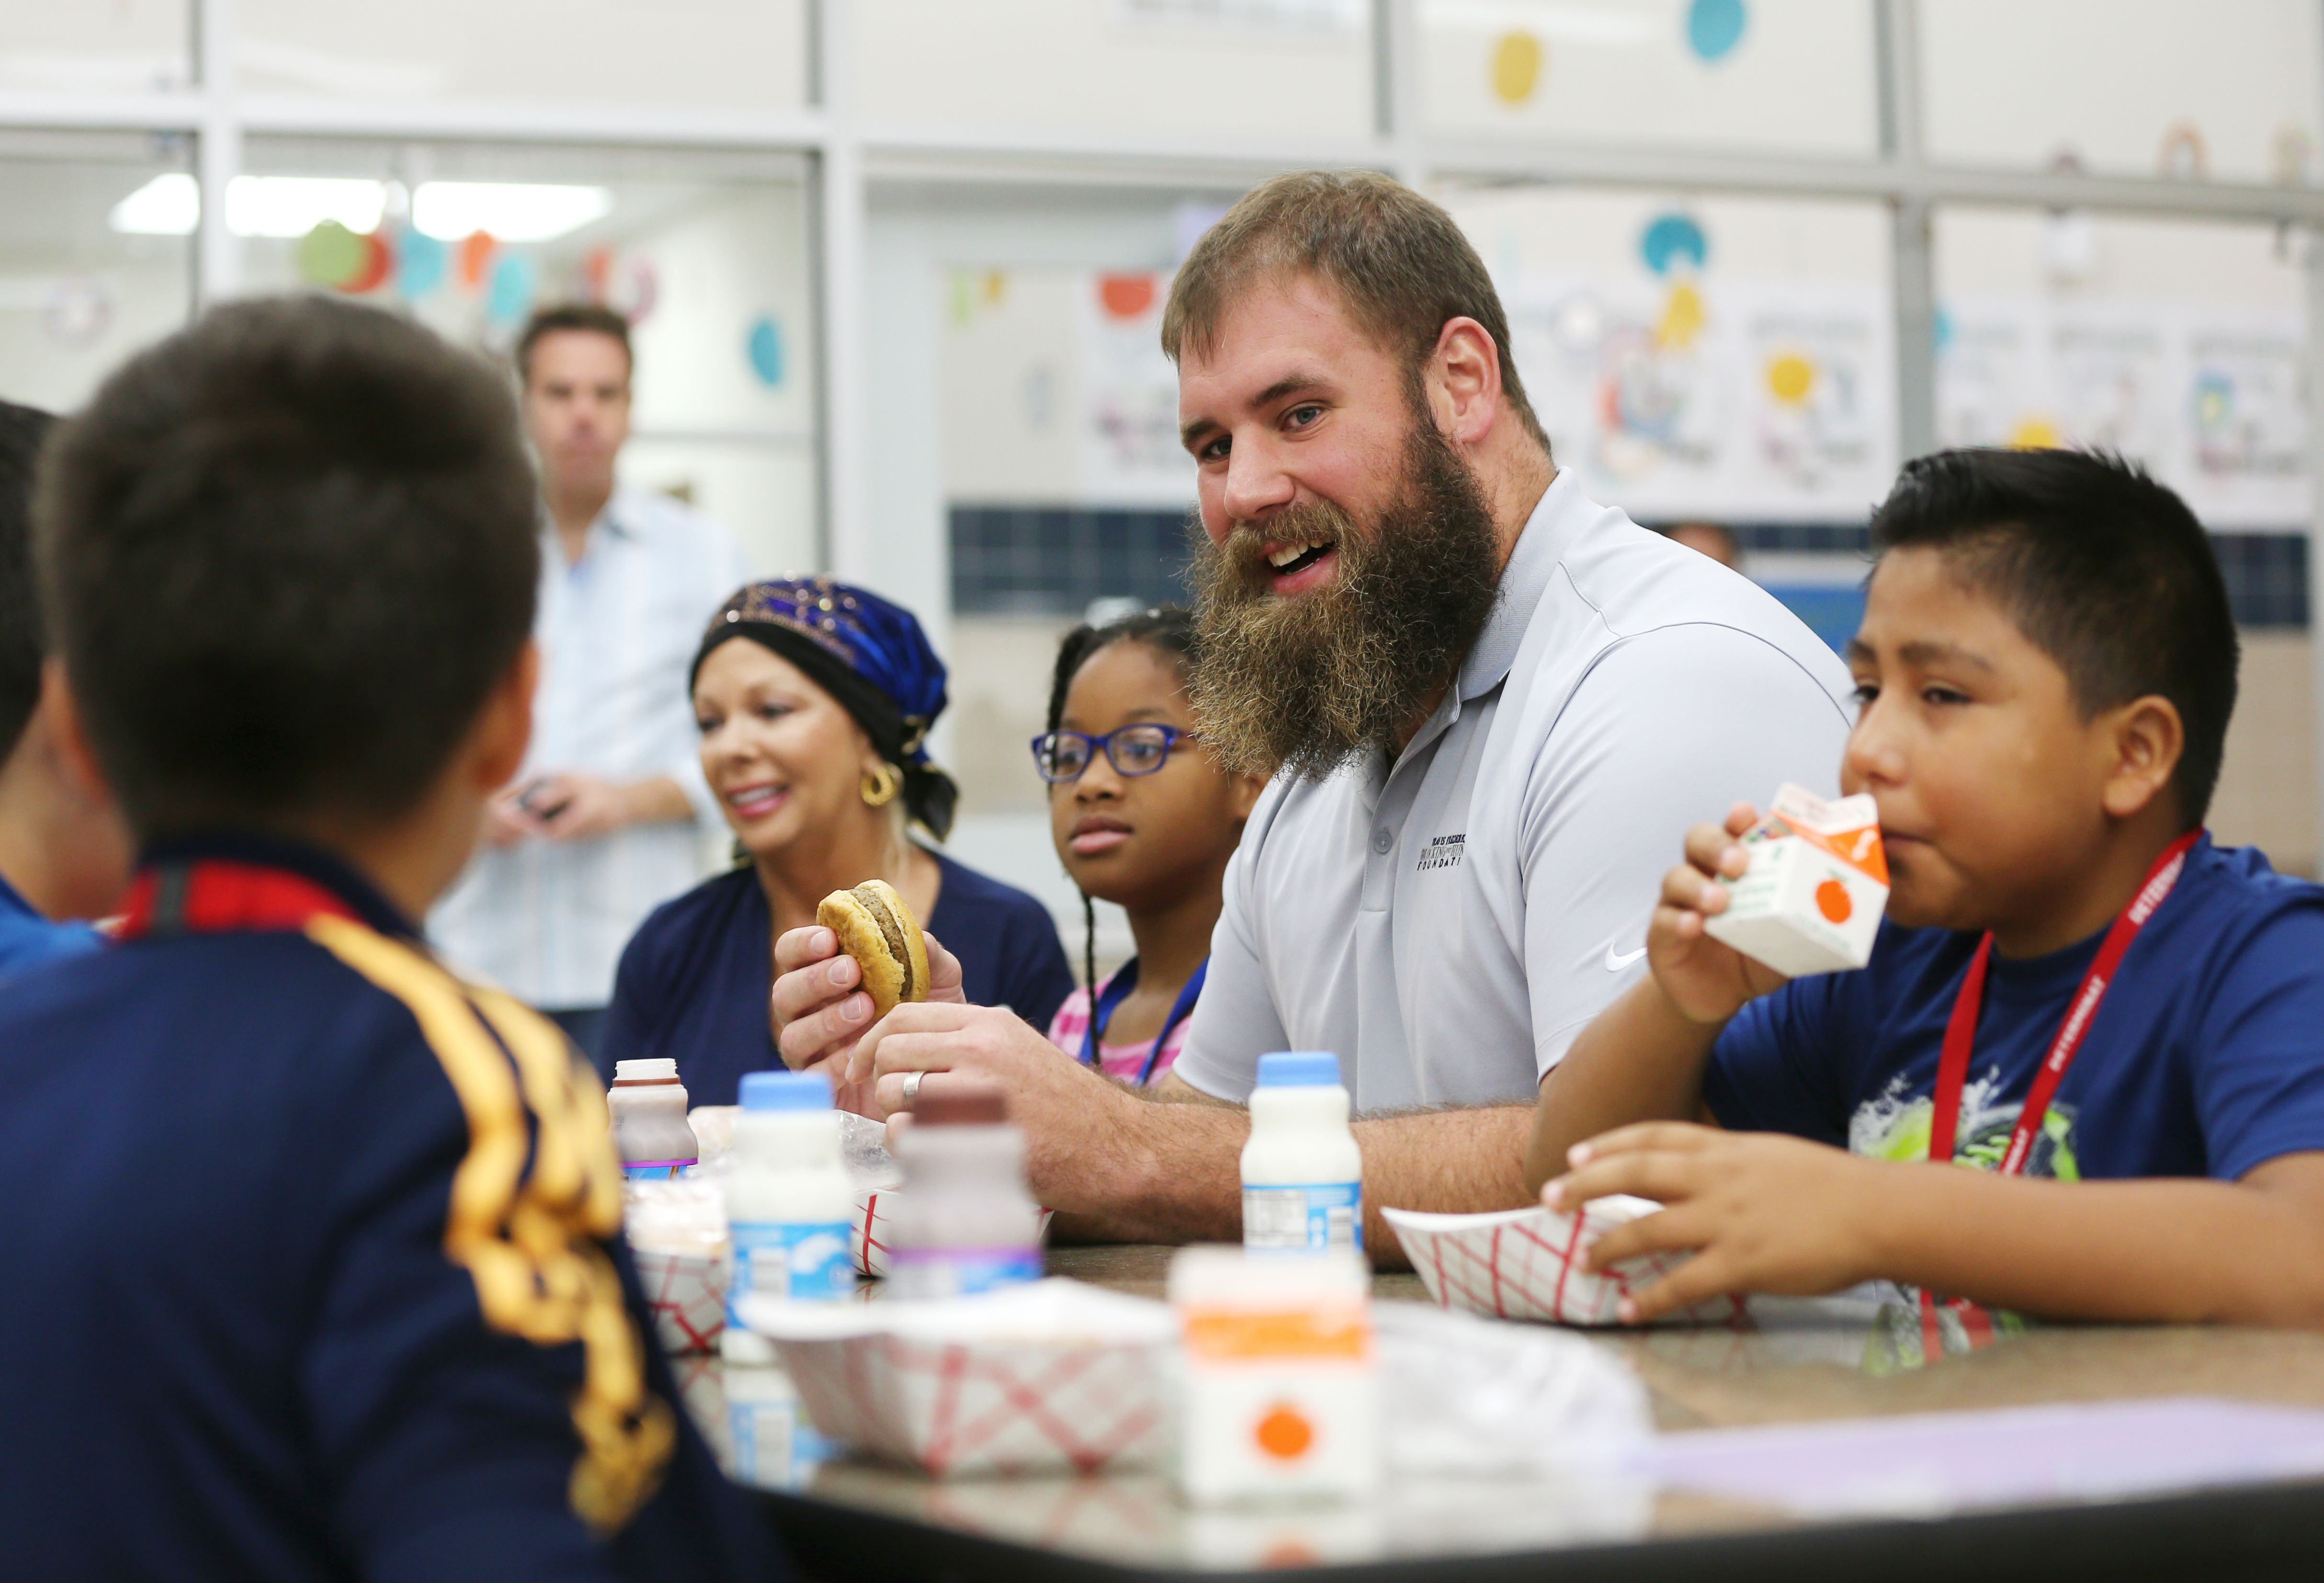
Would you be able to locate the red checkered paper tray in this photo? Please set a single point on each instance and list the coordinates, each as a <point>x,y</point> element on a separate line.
<point>1527,1264</point>
<point>878,1181</point>
<point>1052,1377</point>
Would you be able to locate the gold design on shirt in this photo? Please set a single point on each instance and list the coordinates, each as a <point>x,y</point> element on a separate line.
<point>532,1241</point>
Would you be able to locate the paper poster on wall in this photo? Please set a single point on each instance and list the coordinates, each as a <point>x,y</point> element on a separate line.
<point>1732,398</point>
<point>2210,398</point>
<point>1128,445</point>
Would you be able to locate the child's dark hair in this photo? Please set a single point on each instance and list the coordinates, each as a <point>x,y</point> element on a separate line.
<point>2102,569</point>
<point>21,430</point>
<point>286,554</point>
<point>1167,630</point>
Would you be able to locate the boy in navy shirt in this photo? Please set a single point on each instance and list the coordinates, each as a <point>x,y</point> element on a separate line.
<point>63,853</point>
<point>319,1274</point>
<point>2120,1025</point>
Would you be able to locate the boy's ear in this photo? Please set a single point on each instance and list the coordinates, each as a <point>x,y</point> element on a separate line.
<point>2149,738</point>
<point>64,723</point>
<point>503,728</point>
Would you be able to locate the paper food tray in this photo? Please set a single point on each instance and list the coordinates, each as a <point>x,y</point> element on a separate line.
<point>688,1294</point>
<point>1526,1264</point>
<point>1054,1377</point>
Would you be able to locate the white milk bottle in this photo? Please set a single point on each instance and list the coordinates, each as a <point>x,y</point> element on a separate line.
<point>1302,1174</point>
<point>650,1129</point>
<point>964,1223</point>
<point>788,1201</point>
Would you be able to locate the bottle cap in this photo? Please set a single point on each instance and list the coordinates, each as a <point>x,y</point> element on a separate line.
<point>660,1070</point>
<point>962,1107</point>
<point>1298,1069</point>
<point>786,1091</point>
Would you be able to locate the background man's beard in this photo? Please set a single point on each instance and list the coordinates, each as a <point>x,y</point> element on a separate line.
<point>1302,684</point>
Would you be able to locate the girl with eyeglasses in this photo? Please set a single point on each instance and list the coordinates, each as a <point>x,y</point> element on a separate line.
<point>1145,817</point>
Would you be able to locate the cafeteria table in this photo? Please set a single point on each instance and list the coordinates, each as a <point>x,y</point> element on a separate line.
<point>1792,1362</point>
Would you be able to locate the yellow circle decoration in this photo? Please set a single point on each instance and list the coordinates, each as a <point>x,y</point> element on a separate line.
<point>1518,61</point>
<point>2036,433</point>
<point>330,254</point>
<point>1790,377</point>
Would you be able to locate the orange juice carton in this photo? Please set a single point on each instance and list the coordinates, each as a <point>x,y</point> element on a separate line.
<point>1281,1391</point>
<point>1811,901</point>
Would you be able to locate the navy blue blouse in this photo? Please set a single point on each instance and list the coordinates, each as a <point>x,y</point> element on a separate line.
<point>695,979</point>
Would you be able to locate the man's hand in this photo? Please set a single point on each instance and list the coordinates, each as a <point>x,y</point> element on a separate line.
<point>818,1012</point>
<point>1705,981</point>
<point>506,822</point>
<point>571,806</point>
<point>1068,1113</point>
<point>1761,1212</point>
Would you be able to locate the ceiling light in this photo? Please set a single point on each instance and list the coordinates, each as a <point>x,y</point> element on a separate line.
<point>510,211</point>
<point>170,204</point>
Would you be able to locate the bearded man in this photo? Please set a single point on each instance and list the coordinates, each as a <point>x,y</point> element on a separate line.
<point>1490,708</point>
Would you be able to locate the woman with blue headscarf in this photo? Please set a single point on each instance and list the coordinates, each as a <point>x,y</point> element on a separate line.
<point>813,699</point>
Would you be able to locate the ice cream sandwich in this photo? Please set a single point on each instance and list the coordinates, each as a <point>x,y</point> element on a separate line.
<point>878,930</point>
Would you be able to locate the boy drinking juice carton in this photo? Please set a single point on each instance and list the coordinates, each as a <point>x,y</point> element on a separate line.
<point>2119,1024</point>
<point>322,1278</point>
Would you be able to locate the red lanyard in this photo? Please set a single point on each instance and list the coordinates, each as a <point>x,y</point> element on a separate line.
<point>215,895</point>
<point>1961,1031</point>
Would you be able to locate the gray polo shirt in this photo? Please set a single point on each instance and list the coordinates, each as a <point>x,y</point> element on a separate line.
<point>1448,924</point>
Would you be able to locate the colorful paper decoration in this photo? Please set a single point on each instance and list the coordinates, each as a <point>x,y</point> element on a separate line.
<point>764,347</point>
<point>1517,62</point>
<point>1681,318</point>
<point>330,254</point>
<point>372,273</point>
<point>2184,155</point>
<point>509,295</point>
<point>1125,296</point>
<point>476,249</point>
<point>1714,27</point>
<point>421,262</point>
<point>78,312</point>
<point>1671,237</point>
<point>2034,434</point>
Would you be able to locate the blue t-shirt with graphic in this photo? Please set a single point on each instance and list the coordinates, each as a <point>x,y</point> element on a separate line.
<point>2206,1059</point>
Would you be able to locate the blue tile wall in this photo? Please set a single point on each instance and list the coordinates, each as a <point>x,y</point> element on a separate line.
<point>1053,560</point>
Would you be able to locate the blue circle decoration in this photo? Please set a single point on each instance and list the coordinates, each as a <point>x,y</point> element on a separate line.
<point>1668,237</point>
<point>764,347</point>
<point>1940,328</point>
<point>421,261</point>
<point>1714,27</point>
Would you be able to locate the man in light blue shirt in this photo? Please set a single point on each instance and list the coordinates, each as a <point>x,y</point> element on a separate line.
<point>64,854</point>
<point>604,822</point>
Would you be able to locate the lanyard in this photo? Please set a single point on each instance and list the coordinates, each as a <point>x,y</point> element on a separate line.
<point>1116,991</point>
<point>1960,1031</point>
<point>215,895</point>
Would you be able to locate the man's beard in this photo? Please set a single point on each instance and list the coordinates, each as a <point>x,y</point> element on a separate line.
<point>1302,685</point>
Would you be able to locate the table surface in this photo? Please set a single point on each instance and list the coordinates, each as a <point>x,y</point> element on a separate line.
<point>1792,1362</point>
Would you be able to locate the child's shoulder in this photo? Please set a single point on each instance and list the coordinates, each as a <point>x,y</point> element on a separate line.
<point>2236,914</point>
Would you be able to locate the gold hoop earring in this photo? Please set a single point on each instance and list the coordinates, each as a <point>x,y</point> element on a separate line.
<point>880,785</point>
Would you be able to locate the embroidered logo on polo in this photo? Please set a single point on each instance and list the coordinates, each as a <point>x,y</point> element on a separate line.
<point>1443,852</point>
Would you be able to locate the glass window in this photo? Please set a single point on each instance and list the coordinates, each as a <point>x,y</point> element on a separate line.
<point>1296,69</point>
<point>119,47</point>
<point>747,55</point>
<point>2139,88</point>
<point>1795,75</point>
<point>705,253</point>
<point>81,284</point>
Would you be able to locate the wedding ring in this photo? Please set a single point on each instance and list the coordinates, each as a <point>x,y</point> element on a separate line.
<point>912,1088</point>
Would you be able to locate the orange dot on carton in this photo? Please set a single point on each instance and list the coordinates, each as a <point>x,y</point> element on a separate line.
<point>1832,902</point>
<point>1284,1433</point>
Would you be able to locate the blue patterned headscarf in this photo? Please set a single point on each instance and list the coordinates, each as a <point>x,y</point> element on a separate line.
<point>868,654</point>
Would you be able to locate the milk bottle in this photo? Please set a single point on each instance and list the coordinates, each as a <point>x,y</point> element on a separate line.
<point>1302,1174</point>
<point>964,1222</point>
<point>650,1129</point>
<point>789,1202</point>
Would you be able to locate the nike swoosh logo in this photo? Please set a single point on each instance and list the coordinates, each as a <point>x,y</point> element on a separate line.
<point>1615,964</point>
